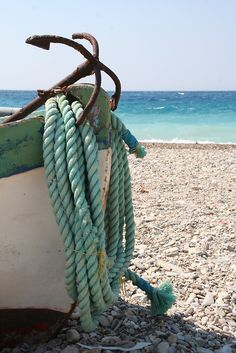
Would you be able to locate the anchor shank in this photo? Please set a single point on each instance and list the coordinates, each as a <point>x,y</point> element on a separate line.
<point>81,71</point>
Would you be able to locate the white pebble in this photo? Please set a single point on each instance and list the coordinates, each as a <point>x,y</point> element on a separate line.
<point>225,328</point>
<point>191,298</point>
<point>208,300</point>
<point>204,320</point>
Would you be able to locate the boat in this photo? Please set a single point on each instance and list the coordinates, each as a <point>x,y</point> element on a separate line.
<point>33,296</point>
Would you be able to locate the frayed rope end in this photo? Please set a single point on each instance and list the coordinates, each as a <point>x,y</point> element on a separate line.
<point>162,298</point>
<point>140,151</point>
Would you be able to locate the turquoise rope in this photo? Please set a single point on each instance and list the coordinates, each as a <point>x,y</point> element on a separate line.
<point>98,244</point>
<point>128,138</point>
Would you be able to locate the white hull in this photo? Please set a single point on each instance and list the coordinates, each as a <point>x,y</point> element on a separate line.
<point>32,261</point>
<point>31,252</point>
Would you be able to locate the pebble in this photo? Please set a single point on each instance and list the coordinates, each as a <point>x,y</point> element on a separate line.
<point>204,350</point>
<point>232,323</point>
<point>70,349</point>
<point>111,340</point>
<point>204,320</point>
<point>209,299</point>
<point>172,251</point>
<point>225,328</point>
<point>172,338</point>
<point>226,349</point>
<point>104,321</point>
<point>172,349</point>
<point>72,336</point>
<point>180,337</point>
<point>163,347</point>
<point>191,298</point>
<point>75,315</point>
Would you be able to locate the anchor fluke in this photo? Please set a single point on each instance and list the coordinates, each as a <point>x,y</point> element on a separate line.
<point>42,42</point>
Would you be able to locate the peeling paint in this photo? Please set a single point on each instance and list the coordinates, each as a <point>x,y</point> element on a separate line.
<point>21,146</point>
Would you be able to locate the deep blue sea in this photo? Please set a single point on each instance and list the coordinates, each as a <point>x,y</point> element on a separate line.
<point>167,116</point>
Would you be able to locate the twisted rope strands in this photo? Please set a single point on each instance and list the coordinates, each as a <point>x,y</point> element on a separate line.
<point>51,118</point>
<point>129,215</point>
<point>116,215</point>
<point>98,245</point>
<point>95,202</point>
<point>89,292</point>
<point>120,254</point>
<point>112,240</point>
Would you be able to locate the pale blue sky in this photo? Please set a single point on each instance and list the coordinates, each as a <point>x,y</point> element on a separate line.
<point>150,44</point>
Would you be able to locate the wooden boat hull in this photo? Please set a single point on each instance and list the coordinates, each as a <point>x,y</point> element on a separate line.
<point>32,263</point>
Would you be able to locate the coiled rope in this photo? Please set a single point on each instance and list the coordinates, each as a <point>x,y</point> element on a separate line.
<point>98,244</point>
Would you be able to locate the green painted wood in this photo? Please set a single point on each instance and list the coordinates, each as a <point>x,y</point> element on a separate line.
<point>21,146</point>
<point>21,141</point>
<point>100,116</point>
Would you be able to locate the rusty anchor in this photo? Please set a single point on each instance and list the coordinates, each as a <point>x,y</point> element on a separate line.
<point>91,66</point>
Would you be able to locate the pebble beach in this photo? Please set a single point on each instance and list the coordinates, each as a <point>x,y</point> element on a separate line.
<point>185,213</point>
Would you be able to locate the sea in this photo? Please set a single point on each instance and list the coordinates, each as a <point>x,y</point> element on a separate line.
<point>156,116</point>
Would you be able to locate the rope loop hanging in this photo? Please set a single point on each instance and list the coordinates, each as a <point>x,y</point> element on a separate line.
<point>98,243</point>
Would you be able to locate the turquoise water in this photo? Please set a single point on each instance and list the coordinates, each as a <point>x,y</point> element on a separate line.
<point>167,116</point>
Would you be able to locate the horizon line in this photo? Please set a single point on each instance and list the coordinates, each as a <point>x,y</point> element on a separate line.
<point>140,90</point>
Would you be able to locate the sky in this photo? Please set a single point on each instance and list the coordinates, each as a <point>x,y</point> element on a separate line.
<point>149,44</point>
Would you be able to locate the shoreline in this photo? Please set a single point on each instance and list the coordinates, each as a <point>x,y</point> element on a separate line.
<point>192,145</point>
